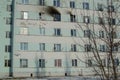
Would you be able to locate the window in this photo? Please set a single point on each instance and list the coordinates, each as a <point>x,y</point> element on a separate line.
<point>86,5</point>
<point>58,63</point>
<point>42,2</point>
<point>56,17</point>
<point>57,47</point>
<point>101,34</point>
<point>100,7</point>
<point>73,32</point>
<point>9,8</point>
<point>72,4</point>
<point>7,63</point>
<point>24,31</point>
<point>73,48</point>
<point>8,34</point>
<point>24,15</point>
<point>115,48</point>
<point>116,61</point>
<point>42,46</point>
<point>56,3</point>
<point>86,19</point>
<point>87,33</point>
<point>23,46</point>
<point>104,62</point>
<point>25,1</point>
<point>101,21</point>
<point>42,30</point>
<point>88,47</point>
<point>8,20</point>
<point>111,8</point>
<point>41,16</point>
<point>7,48</point>
<point>102,48</point>
<point>42,63</point>
<point>111,21</point>
<point>89,63</point>
<point>74,62</point>
<point>23,63</point>
<point>72,18</point>
<point>57,32</point>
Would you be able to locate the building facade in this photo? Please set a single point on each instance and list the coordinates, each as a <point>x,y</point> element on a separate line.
<point>49,37</point>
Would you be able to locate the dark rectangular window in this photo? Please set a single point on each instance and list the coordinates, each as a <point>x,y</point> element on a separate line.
<point>87,33</point>
<point>73,48</point>
<point>102,48</point>
<point>56,17</point>
<point>56,3</point>
<point>88,47</point>
<point>7,48</point>
<point>101,20</point>
<point>101,34</point>
<point>57,32</point>
<point>8,34</point>
<point>7,63</point>
<point>42,63</point>
<point>100,7</point>
<point>9,8</point>
<point>42,2</point>
<point>58,63</point>
<point>72,18</point>
<point>89,63</point>
<point>111,21</point>
<point>72,4</point>
<point>86,5</point>
<point>57,47</point>
<point>42,46</point>
<point>23,63</point>
<point>74,62</point>
<point>73,32</point>
<point>111,8</point>
<point>23,46</point>
<point>25,1</point>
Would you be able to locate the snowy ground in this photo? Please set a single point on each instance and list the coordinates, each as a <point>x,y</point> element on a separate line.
<point>63,78</point>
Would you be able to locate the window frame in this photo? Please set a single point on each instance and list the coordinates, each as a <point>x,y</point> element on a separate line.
<point>25,1</point>
<point>23,63</point>
<point>57,47</point>
<point>58,62</point>
<point>23,46</point>
<point>86,5</point>
<point>72,4</point>
<point>56,3</point>
<point>42,63</point>
<point>57,31</point>
<point>24,15</point>
<point>42,46</point>
<point>74,62</point>
<point>7,63</point>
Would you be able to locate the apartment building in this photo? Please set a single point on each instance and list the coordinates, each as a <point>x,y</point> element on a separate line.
<point>49,37</point>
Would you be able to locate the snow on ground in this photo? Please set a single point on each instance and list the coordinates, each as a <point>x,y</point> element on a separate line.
<point>63,78</point>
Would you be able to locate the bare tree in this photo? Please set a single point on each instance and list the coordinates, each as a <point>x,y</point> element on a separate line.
<point>103,60</point>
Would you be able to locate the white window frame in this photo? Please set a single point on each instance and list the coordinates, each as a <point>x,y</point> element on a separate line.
<point>24,14</point>
<point>42,46</point>
<point>24,46</point>
<point>23,63</point>
<point>42,63</point>
<point>58,62</point>
<point>24,30</point>
<point>74,62</point>
<point>57,47</point>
